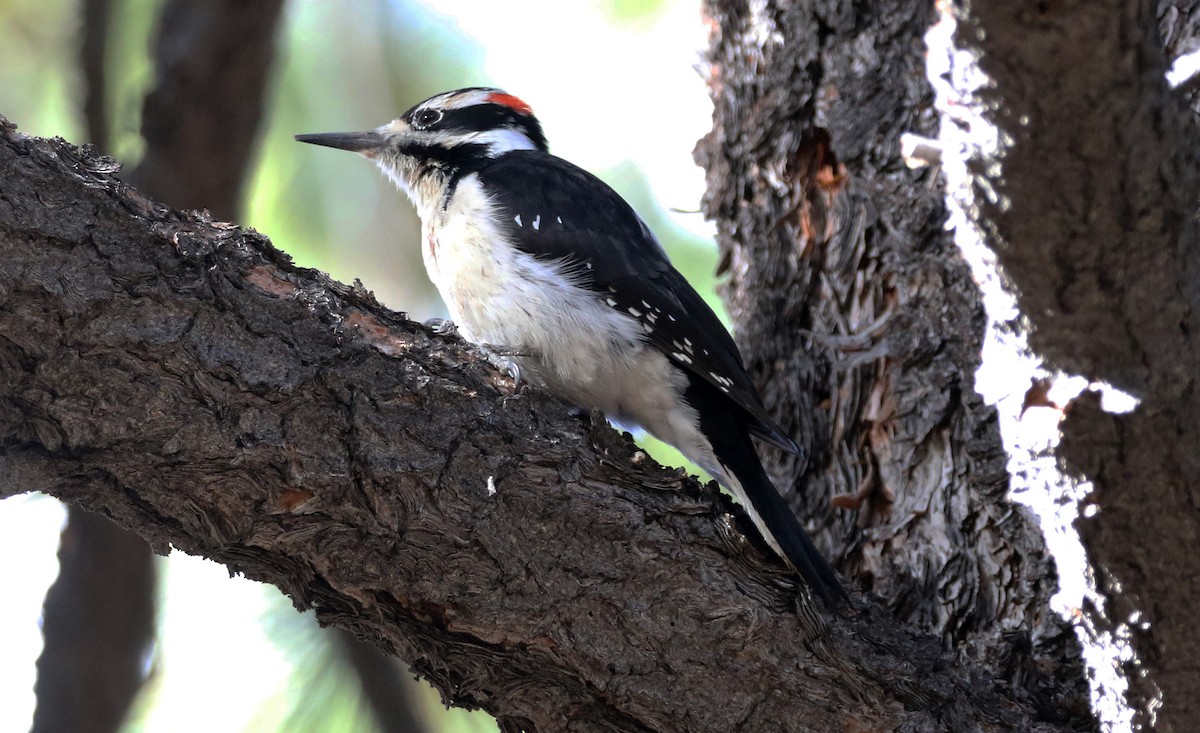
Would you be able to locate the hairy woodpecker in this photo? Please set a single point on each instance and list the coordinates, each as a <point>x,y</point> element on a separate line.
<point>538,256</point>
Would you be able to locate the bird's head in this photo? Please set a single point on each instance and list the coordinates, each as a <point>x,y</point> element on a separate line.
<point>444,136</point>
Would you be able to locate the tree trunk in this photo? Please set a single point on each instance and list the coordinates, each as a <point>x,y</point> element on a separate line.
<point>1090,211</point>
<point>98,624</point>
<point>856,310</point>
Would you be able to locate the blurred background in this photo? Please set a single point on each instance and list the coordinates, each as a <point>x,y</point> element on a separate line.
<point>617,86</point>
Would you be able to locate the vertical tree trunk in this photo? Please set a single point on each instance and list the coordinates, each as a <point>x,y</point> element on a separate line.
<point>98,623</point>
<point>1091,215</point>
<point>860,318</point>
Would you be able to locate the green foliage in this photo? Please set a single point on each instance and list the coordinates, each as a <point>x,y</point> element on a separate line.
<point>633,12</point>
<point>37,72</point>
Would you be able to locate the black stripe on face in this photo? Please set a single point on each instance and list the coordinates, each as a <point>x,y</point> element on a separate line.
<point>455,158</point>
<point>488,116</point>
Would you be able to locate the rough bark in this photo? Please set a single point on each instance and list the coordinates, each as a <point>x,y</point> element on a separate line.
<point>854,306</point>
<point>184,379</point>
<point>1091,215</point>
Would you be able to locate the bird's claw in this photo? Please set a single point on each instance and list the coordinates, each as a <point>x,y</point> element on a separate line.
<point>442,326</point>
<point>507,367</point>
<point>501,359</point>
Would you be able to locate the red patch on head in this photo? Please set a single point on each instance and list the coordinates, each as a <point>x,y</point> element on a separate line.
<point>511,102</point>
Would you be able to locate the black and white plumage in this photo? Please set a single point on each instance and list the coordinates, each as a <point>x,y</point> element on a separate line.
<point>538,256</point>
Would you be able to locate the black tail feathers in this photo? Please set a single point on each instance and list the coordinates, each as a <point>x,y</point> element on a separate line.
<point>731,443</point>
<point>781,522</point>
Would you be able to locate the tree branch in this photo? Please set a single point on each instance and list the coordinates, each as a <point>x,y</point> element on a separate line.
<point>183,378</point>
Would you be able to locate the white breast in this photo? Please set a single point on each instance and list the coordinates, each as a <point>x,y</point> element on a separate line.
<point>577,346</point>
<point>502,296</point>
<point>574,344</point>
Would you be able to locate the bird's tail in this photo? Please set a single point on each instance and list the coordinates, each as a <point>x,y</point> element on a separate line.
<point>777,523</point>
<point>743,474</point>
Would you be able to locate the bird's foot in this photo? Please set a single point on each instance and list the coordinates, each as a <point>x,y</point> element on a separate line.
<point>502,359</point>
<point>442,326</point>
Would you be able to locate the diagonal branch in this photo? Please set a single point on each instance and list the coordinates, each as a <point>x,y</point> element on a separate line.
<point>183,378</point>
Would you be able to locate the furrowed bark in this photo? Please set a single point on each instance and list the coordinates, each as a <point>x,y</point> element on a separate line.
<point>183,378</point>
<point>857,312</point>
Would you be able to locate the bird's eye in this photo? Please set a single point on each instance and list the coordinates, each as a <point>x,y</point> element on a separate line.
<point>426,118</point>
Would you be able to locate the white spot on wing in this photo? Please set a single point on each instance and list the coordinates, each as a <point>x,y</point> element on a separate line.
<point>723,382</point>
<point>491,486</point>
<point>517,219</point>
<point>537,222</point>
<point>611,303</point>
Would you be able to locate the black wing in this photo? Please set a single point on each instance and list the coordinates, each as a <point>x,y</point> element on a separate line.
<point>557,211</point>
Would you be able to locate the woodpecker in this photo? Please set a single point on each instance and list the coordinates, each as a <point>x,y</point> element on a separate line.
<point>538,256</point>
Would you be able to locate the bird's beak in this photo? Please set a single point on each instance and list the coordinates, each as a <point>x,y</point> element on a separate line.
<point>367,143</point>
